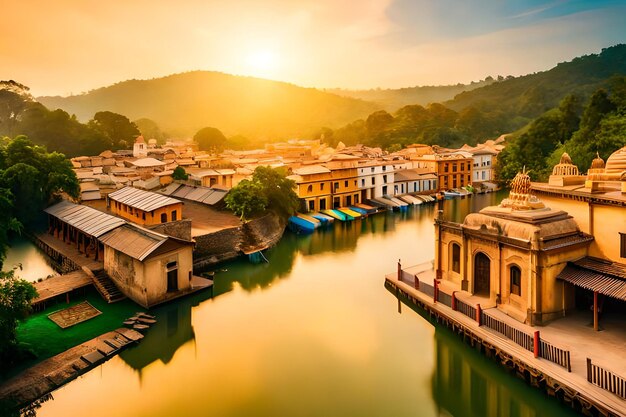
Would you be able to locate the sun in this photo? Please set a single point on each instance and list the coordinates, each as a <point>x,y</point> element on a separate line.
<point>262,62</point>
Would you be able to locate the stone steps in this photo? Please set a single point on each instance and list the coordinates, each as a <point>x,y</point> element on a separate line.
<point>106,287</point>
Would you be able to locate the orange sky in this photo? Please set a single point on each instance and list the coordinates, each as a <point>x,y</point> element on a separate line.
<point>70,46</point>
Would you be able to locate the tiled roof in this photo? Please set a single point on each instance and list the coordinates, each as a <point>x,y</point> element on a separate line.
<point>141,200</point>
<point>605,277</point>
<point>86,219</point>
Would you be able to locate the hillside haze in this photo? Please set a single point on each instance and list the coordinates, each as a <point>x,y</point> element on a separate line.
<point>181,104</point>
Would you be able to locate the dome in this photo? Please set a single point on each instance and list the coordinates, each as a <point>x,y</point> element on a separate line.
<point>597,163</point>
<point>565,159</point>
<point>616,162</point>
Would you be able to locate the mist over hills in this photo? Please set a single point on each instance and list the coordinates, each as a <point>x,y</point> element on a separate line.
<point>181,104</point>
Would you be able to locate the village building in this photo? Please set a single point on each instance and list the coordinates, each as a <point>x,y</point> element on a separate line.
<point>146,266</point>
<point>144,207</point>
<point>313,186</point>
<point>375,179</point>
<point>222,178</point>
<point>140,148</point>
<point>345,189</point>
<point>414,181</point>
<point>146,167</point>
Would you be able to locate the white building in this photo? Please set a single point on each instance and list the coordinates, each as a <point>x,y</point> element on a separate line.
<point>414,181</point>
<point>140,149</point>
<point>375,179</point>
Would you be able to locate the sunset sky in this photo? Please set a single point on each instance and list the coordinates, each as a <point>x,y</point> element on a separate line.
<point>71,46</point>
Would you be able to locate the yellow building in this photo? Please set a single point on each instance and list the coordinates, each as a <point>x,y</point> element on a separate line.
<point>144,207</point>
<point>222,178</point>
<point>314,186</point>
<point>345,184</point>
<point>511,255</point>
<point>454,168</point>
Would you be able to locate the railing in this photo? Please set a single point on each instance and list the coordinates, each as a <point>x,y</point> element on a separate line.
<point>606,379</point>
<point>521,338</point>
<point>426,289</point>
<point>555,354</point>
<point>444,298</point>
<point>466,309</point>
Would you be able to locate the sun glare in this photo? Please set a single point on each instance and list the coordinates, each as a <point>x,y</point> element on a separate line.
<point>262,62</point>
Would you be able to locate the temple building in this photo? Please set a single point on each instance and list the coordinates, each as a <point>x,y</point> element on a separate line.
<point>511,255</point>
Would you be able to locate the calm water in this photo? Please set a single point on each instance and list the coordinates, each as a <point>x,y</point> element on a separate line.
<point>30,263</point>
<point>312,333</point>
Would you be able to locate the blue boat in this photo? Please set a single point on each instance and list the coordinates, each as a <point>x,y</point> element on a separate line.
<point>359,210</point>
<point>300,225</point>
<point>325,219</point>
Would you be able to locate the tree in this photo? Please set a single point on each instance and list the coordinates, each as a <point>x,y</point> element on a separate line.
<point>15,299</point>
<point>277,189</point>
<point>180,174</point>
<point>246,199</point>
<point>118,128</point>
<point>150,130</point>
<point>210,139</point>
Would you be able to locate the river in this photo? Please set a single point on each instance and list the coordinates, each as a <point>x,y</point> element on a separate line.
<point>313,332</point>
<point>28,261</point>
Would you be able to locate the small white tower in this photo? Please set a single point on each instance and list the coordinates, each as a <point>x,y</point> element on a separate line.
<point>139,148</point>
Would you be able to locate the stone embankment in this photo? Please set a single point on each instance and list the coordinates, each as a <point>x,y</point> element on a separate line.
<point>227,244</point>
<point>45,377</point>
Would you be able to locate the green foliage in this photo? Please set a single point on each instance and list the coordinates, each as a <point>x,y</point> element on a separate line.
<point>15,298</point>
<point>246,199</point>
<point>29,178</point>
<point>150,130</point>
<point>277,189</point>
<point>210,139</point>
<point>268,189</point>
<point>120,131</point>
<point>180,174</point>
<point>600,129</point>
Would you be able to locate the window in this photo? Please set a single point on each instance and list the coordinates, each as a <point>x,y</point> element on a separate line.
<point>336,186</point>
<point>309,189</point>
<point>345,183</point>
<point>143,215</point>
<point>456,258</point>
<point>373,180</point>
<point>516,280</point>
<point>384,178</point>
<point>174,214</point>
<point>384,167</point>
<point>372,169</point>
<point>363,182</point>
<point>445,168</point>
<point>454,168</point>
<point>163,217</point>
<point>322,186</point>
<point>622,247</point>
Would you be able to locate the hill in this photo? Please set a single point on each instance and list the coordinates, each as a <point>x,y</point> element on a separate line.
<point>531,95</point>
<point>184,103</point>
<point>393,99</point>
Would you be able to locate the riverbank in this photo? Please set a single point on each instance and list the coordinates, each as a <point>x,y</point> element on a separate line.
<point>52,373</point>
<point>567,384</point>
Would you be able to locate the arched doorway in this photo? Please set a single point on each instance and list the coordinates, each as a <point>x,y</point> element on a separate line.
<point>482,273</point>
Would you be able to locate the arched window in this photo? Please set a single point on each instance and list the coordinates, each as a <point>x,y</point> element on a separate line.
<point>309,189</point>
<point>456,258</point>
<point>516,280</point>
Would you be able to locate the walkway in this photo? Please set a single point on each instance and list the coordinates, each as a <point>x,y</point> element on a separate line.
<point>70,251</point>
<point>604,348</point>
<point>61,284</point>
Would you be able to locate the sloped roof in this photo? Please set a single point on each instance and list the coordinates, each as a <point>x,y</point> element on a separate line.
<point>86,219</point>
<point>147,162</point>
<point>311,169</point>
<point>606,278</point>
<point>134,241</point>
<point>142,200</point>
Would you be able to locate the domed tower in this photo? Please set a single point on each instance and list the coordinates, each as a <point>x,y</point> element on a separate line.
<point>609,176</point>
<point>565,173</point>
<point>597,165</point>
<point>616,164</point>
<point>519,196</point>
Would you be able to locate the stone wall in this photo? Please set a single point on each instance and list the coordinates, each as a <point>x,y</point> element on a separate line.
<point>180,229</point>
<point>230,243</point>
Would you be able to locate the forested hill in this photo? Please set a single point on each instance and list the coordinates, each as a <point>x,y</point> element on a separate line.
<point>503,106</point>
<point>530,95</point>
<point>392,99</point>
<point>183,103</point>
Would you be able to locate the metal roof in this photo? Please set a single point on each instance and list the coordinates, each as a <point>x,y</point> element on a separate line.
<point>142,200</point>
<point>133,241</point>
<point>86,219</point>
<point>606,284</point>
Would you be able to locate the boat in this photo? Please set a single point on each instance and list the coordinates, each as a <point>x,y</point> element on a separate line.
<point>352,213</point>
<point>450,194</point>
<point>403,206</point>
<point>300,225</point>
<point>311,219</point>
<point>367,208</point>
<point>386,203</point>
<point>359,210</point>
<point>409,199</point>
<point>324,218</point>
<point>337,215</point>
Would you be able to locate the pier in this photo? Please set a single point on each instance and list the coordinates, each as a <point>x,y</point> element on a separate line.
<point>553,358</point>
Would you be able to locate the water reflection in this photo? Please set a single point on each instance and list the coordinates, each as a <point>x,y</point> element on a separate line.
<point>30,263</point>
<point>172,330</point>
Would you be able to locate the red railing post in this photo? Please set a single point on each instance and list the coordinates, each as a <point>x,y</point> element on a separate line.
<point>478,315</point>
<point>399,270</point>
<point>453,303</point>
<point>537,344</point>
<point>435,290</point>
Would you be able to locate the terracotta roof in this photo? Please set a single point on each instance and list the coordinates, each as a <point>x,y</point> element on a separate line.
<point>147,162</point>
<point>311,169</point>
<point>605,277</point>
